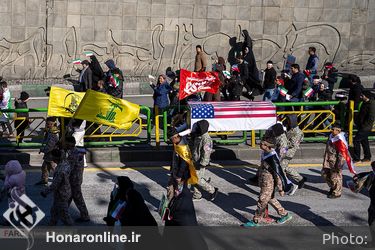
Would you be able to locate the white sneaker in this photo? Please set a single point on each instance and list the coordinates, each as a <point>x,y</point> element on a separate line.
<point>292,190</point>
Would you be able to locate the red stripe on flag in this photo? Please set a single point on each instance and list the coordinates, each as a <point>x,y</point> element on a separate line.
<point>220,109</point>
<point>244,116</point>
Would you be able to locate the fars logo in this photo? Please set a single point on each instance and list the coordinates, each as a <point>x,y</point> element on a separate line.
<point>23,214</point>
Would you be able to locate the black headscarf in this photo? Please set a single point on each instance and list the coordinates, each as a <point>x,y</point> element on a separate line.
<point>201,127</point>
<point>136,212</point>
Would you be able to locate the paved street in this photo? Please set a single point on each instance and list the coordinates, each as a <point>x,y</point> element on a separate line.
<point>234,205</point>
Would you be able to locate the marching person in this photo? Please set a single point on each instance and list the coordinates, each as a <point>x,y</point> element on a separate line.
<point>202,149</point>
<point>21,124</point>
<point>277,136</point>
<point>15,178</point>
<point>335,156</point>
<point>181,207</point>
<point>50,142</point>
<point>365,121</point>
<point>269,180</point>
<point>5,104</point>
<point>61,190</point>
<point>75,157</point>
<point>295,136</point>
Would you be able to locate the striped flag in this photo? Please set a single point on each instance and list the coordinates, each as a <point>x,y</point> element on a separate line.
<point>283,91</point>
<point>114,81</point>
<point>226,74</point>
<point>76,61</point>
<point>342,148</point>
<point>88,53</point>
<point>234,116</point>
<point>308,92</point>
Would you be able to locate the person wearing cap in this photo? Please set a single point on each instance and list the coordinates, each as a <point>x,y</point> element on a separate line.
<point>365,121</point>
<point>85,76</point>
<point>330,75</point>
<point>21,123</point>
<point>269,181</point>
<point>75,157</point>
<point>181,208</point>
<point>269,81</point>
<point>335,157</point>
<point>202,150</point>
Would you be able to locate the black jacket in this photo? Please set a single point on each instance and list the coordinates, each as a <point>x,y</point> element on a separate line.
<point>182,211</point>
<point>366,116</point>
<point>355,94</point>
<point>269,78</point>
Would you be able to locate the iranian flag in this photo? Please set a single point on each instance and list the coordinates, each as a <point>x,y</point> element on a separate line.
<point>308,92</point>
<point>76,61</point>
<point>115,82</point>
<point>88,53</point>
<point>283,91</point>
<point>342,148</point>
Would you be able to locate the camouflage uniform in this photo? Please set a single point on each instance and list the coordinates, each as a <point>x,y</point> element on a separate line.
<point>267,184</point>
<point>51,140</point>
<point>294,137</point>
<point>75,158</point>
<point>332,168</point>
<point>61,194</point>
<point>202,150</point>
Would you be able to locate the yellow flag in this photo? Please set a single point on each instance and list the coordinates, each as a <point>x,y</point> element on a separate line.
<point>105,109</point>
<point>63,102</point>
<point>184,152</point>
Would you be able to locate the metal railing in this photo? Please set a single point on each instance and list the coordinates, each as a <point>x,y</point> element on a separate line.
<point>312,121</point>
<point>100,135</point>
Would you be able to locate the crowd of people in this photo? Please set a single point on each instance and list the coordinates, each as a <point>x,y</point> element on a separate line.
<point>64,155</point>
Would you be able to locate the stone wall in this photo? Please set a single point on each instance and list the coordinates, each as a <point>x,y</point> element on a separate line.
<point>40,38</point>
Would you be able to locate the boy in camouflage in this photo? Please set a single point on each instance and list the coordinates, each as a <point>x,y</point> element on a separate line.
<point>50,142</point>
<point>75,158</point>
<point>269,180</point>
<point>61,190</point>
<point>202,149</point>
<point>295,136</point>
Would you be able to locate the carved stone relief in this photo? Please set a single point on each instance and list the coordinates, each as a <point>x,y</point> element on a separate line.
<point>34,58</point>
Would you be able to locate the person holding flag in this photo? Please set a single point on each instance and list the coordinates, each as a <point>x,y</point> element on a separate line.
<point>335,157</point>
<point>114,79</point>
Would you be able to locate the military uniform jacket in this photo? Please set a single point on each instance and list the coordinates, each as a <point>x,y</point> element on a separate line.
<point>295,137</point>
<point>61,185</point>
<point>51,140</point>
<point>75,159</point>
<point>202,150</point>
<point>332,158</point>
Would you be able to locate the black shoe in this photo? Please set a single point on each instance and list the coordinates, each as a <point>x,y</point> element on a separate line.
<point>41,182</point>
<point>330,192</point>
<point>253,180</point>
<point>214,194</point>
<point>301,183</point>
<point>333,196</point>
<point>81,220</point>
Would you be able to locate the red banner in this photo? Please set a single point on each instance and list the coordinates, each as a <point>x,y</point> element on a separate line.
<point>194,82</point>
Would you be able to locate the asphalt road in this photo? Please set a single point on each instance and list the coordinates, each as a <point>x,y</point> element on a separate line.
<point>234,205</point>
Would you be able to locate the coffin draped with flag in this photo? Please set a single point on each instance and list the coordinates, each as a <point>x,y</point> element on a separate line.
<point>63,102</point>
<point>194,82</point>
<point>233,116</point>
<point>108,110</point>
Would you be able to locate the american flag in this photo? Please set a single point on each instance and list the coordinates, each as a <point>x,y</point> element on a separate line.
<point>232,116</point>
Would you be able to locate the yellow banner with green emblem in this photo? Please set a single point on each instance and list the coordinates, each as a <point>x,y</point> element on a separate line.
<point>184,152</point>
<point>63,102</point>
<point>105,109</point>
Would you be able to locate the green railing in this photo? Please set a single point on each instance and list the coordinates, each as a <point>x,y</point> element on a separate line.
<point>104,139</point>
